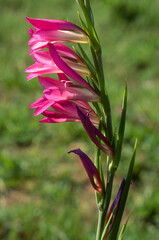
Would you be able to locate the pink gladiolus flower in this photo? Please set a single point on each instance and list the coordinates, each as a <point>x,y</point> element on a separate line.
<point>93,133</point>
<point>59,91</point>
<point>44,64</point>
<point>58,95</point>
<point>90,169</point>
<point>51,31</point>
<point>66,111</point>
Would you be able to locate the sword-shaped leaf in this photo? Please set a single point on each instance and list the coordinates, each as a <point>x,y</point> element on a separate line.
<point>114,232</point>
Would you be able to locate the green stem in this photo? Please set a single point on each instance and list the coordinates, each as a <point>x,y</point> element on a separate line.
<point>105,100</point>
<point>97,57</point>
<point>101,223</point>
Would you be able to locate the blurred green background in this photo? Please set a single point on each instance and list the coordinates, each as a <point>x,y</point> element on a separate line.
<point>44,193</point>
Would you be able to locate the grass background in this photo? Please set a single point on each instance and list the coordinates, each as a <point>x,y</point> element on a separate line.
<point>44,193</point>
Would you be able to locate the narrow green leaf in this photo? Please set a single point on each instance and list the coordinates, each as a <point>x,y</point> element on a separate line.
<point>98,164</point>
<point>85,56</point>
<point>121,131</point>
<point>101,174</point>
<point>88,63</point>
<point>83,24</point>
<point>101,115</point>
<point>88,6</point>
<point>114,232</point>
<point>93,84</point>
<point>86,14</point>
<point>90,23</point>
<point>123,115</point>
<point>81,3</point>
<point>114,139</point>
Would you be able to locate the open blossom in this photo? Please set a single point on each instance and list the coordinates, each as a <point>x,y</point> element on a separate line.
<point>91,170</point>
<point>64,97</point>
<point>44,63</point>
<point>65,111</point>
<point>60,58</point>
<point>51,31</point>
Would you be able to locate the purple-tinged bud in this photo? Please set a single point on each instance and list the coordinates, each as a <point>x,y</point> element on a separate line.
<point>114,207</point>
<point>93,133</point>
<point>91,170</point>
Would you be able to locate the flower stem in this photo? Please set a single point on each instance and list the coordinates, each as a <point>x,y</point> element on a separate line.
<point>97,57</point>
<point>101,222</point>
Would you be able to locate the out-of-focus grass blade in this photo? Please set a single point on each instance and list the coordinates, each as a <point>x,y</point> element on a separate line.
<point>121,234</point>
<point>114,232</point>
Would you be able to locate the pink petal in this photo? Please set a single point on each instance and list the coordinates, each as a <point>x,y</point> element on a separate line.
<point>41,109</point>
<point>39,102</point>
<point>67,107</point>
<point>47,82</point>
<point>54,24</point>
<point>66,51</point>
<point>64,79</point>
<point>38,69</point>
<point>51,114</point>
<point>59,120</point>
<point>37,46</point>
<point>66,69</point>
<point>43,57</point>
<point>41,105</point>
<point>31,31</point>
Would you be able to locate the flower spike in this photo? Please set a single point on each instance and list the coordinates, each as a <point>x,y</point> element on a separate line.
<point>90,169</point>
